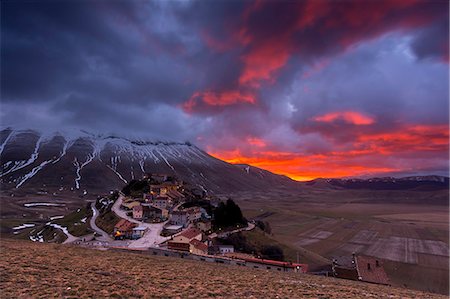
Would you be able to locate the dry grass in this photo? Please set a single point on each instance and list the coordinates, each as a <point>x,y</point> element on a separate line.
<point>51,270</point>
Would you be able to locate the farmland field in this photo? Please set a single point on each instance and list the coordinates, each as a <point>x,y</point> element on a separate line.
<point>412,237</point>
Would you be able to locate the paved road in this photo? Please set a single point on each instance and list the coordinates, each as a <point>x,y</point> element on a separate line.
<point>104,236</point>
<point>151,238</point>
<point>250,226</point>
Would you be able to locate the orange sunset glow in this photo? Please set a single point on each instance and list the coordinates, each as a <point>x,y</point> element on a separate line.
<point>369,155</point>
<point>315,166</point>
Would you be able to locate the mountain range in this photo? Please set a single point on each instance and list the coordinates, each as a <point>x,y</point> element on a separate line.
<point>79,160</point>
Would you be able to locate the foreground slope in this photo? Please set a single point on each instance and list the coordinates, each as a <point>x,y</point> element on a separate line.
<point>49,270</point>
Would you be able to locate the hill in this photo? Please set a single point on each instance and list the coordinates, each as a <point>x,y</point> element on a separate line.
<point>50,270</point>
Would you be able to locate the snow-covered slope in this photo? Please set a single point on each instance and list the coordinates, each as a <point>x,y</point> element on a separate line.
<point>82,161</point>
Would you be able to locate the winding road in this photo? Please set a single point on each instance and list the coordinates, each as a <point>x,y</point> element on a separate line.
<point>103,235</point>
<point>249,226</point>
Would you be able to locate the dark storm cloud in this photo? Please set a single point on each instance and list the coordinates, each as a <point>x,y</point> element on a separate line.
<point>291,77</point>
<point>432,41</point>
<point>52,47</point>
<point>44,44</point>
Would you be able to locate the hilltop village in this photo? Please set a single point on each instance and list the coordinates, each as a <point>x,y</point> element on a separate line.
<point>165,199</point>
<point>162,215</point>
<point>166,216</point>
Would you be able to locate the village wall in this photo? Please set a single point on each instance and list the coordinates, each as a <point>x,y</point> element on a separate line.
<point>213,259</point>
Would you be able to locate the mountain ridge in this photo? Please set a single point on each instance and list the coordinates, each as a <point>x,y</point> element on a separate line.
<point>419,183</point>
<point>89,161</point>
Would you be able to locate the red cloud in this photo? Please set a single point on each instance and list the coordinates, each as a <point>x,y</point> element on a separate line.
<point>350,117</point>
<point>270,33</point>
<point>225,98</point>
<point>256,141</point>
<point>414,138</point>
<point>262,63</point>
<point>317,27</point>
<point>404,149</point>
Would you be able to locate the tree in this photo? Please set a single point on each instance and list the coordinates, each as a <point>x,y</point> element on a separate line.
<point>136,188</point>
<point>228,215</point>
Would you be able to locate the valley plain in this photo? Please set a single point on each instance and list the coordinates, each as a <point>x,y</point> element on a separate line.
<point>412,237</point>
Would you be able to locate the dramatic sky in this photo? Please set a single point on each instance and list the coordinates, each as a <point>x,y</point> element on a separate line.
<point>303,88</point>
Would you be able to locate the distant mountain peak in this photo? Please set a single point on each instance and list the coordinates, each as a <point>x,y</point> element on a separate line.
<point>77,159</point>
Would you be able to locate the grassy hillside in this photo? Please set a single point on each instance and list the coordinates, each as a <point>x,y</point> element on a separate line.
<point>106,221</point>
<point>51,270</point>
<point>77,222</point>
<point>107,218</point>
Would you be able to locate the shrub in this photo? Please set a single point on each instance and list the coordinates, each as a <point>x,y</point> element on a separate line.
<point>136,188</point>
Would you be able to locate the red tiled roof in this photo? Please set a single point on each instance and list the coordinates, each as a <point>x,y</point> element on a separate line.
<point>124,225</point>
<point>369,271</point>
<point>191,233</point>
<point>199,245</point>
